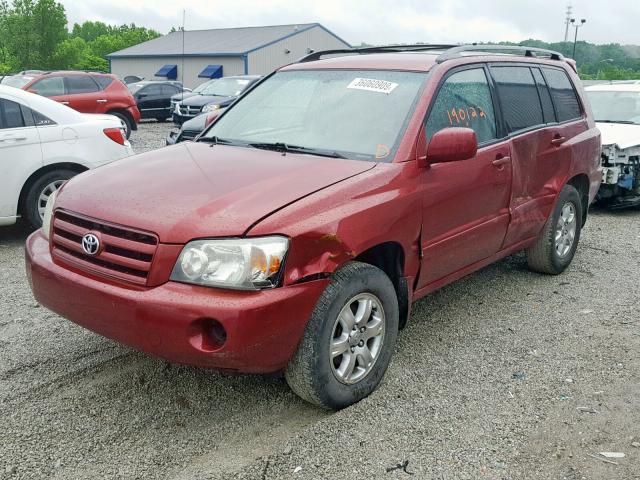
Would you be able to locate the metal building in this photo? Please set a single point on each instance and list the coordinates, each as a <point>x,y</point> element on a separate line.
<point>196,55</point>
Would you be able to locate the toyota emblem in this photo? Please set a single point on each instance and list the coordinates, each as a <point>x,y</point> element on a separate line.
<point>90,244</point>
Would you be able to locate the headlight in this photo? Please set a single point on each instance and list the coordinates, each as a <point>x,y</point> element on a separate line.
<point>210,108</point>
<point>240,263</point>
<point>48,212</point>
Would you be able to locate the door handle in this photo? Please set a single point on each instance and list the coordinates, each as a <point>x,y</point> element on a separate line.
<point>12,137</point>
<point>501,161</point>
<point>101,101</point>
<point>558,140</point>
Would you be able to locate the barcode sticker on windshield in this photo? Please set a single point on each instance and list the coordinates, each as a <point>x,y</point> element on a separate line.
<point>372,85</point>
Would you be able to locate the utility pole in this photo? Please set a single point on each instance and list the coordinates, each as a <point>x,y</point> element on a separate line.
<point>567,21</point>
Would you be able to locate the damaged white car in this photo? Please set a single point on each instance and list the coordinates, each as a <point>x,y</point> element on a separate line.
<point>616,108</point>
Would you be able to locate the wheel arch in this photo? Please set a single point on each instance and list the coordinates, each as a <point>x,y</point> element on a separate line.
<point>390,258</point>
<point>75,167</point>
<point>581,183</point>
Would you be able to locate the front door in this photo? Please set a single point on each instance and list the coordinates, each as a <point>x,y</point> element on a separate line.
<point>465,203</point>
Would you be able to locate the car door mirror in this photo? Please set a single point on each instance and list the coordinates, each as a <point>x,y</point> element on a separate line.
<point>452,145</point>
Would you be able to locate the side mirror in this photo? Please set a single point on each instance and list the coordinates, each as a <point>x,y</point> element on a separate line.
<point>452,145</point>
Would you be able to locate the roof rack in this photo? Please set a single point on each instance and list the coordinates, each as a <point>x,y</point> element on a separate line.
<point>456,52</point>
<point>367,50</point>
<point>450,51</point>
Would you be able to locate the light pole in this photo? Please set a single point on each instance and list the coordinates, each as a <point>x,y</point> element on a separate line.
<point>575,37</point>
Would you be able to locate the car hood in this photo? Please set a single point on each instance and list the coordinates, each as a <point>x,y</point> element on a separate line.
<point>202,100</point>
<point>178,97</point>
<point>194,190</point>
<point>621,134</point>
<point>196,124</point>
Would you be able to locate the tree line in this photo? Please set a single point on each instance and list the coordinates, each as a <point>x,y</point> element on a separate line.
<point>34,35</point>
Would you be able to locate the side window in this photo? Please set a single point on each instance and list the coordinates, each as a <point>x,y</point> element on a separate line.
<point>81,84</point>
<point>563,94</point>
<point>169,90</point>
<point>464,100</point>
<point>49,87</point>
<point>10,114</point>
<point>545,97</point>
<point>519,98</point>
<point>103,82</point>
<point>153,90</point>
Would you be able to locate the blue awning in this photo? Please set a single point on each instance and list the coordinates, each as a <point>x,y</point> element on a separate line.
<point>168,71</point>
<point>212,71</point>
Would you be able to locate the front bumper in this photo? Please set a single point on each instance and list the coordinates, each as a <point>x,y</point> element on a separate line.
<point>262,328</point>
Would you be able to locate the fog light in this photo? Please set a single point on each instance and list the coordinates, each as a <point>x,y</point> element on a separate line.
<point>207,334</point>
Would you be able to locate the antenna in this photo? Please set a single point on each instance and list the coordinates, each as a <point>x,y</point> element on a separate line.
<point>184,14</point>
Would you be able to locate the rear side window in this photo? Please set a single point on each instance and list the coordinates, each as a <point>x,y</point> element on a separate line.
<point>41,120</point>
<point>519,98</point>
<point>545,97</point>
<point>10,115</point>
<point>103,82</point>
<point>563,94</point>
<point>81,84</point>
<point>49,87</point>
<point>464,100</point>
<point>169,90</point>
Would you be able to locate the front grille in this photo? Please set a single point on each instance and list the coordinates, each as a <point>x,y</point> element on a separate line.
<point>125,254</point>
<point>190,111</point>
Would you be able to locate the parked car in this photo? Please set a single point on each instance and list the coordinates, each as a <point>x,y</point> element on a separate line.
<point>42,145</point>
<point>153,97</point>
<point>616,108</point>
<point>296,232</point>
<point>218,94</point>
<point>177,98</point>
<point>190,129</point>
<point>86,92</point>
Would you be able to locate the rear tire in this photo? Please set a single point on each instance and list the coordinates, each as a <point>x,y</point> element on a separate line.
<point>39,192</point>
<point>555,247</point>
<point>125,120</point>
<point>343,356</point>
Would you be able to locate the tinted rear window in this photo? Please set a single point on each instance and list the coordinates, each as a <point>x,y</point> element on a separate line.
<point>545,97</point>
<point>81,84</point>
<point>563,94</point>
<point>10,115</point>
<point>103,82</point>
<point>518,97</point>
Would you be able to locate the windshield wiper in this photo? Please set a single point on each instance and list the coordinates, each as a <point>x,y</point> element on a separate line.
<point>217,140</point>
<point>627,122</point>
<point>285,147</point>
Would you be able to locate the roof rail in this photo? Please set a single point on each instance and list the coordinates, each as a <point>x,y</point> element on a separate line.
<point>456,52</point>
<point>381,49</point>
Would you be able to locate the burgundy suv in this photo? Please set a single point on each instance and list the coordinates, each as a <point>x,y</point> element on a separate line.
<point>86,92</point>
<point>296,232</point>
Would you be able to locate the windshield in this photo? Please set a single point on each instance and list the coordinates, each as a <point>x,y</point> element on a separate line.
<point>615,107</point>
<point>17,81</point>
<point>225,87</point>
<point>134,87</point>
<point>357,114</point>
<point>204,86</point>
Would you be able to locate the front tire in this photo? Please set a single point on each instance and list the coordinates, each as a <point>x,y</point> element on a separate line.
<point>39,192</point>
<point>126,122</point>
<point>349,339</point>
<point>554,250</point>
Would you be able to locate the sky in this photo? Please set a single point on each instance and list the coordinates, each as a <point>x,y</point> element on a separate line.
<point>383,22</point>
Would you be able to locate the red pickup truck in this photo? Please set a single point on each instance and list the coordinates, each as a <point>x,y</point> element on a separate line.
<point>295,234</point>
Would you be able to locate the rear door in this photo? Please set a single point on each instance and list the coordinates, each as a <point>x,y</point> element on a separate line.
<point>85,94</point>
<point>149,100</point>
<point>541,160</point>
<point>466,203</point>
<point>20,152</point>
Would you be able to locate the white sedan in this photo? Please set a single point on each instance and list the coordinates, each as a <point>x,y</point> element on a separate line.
<point>43,144</point>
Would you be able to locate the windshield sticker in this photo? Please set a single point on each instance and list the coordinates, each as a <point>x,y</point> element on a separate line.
<point>382,151</point>
<point>372,85</point>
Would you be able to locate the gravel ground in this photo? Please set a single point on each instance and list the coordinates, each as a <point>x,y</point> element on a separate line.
<point>505,374</point>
